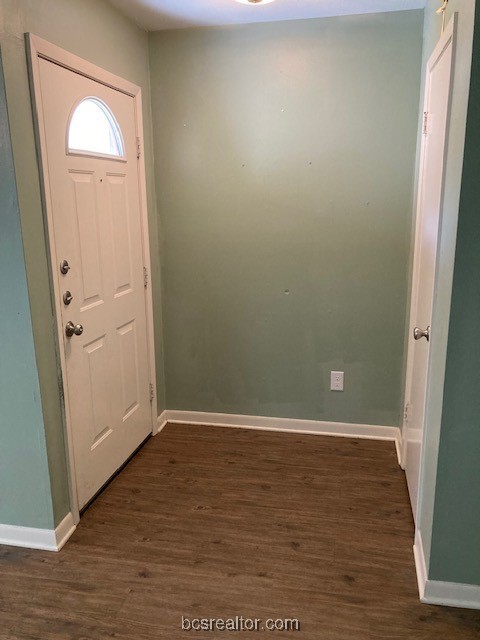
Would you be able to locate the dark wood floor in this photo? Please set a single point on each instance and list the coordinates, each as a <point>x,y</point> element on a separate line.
<point>209,522</point>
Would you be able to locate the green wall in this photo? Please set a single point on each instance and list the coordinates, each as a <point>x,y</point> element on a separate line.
<point>95,31</point>
<point>284,171</point>
<point>455,554</point>
<point>24,484</point>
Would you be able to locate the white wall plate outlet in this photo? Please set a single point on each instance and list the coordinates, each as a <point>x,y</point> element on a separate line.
<point>337,380</point>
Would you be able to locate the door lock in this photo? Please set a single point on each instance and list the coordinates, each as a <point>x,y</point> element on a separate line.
<point>67,298</point>
<point>418,333</point>
<point>64,267</point>
<point>73,329</point>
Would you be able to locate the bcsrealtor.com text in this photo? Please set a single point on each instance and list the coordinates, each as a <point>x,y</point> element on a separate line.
<point>240,623</point>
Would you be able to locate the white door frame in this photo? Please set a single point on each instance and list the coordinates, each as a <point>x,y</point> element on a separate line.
<point>37,49</point>
<point>447,39</point>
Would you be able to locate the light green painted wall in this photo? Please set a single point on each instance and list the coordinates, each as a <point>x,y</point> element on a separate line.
<point>95,31</point>
<point>24,482</point>
<point>284,170</point>
<point>446,252</point>
<point>455,554</point>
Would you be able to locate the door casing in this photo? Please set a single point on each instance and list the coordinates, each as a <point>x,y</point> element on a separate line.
<point>38,48</point>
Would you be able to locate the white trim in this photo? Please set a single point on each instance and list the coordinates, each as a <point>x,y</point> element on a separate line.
<point>44,539</point>
<point>142,183</point>
<point>64,530</point>
<point>420,564</point>
<point>161,421</point>
<point>48,51</point>
<point>452,594</point>
<point>37,48</point>
<point>27,537</point>
<point>314,427</point>
<point>399,448</point>
<point>437,592</point>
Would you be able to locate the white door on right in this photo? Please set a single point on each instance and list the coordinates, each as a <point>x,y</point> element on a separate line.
<point>430,193</point>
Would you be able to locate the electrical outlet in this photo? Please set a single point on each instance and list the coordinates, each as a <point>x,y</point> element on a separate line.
<point>336,380</point>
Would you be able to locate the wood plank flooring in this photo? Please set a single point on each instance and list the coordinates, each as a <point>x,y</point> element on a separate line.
<point>211,522</point>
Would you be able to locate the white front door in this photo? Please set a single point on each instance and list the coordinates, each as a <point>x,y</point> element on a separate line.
<point>436,114</point>
<point>93,178</point>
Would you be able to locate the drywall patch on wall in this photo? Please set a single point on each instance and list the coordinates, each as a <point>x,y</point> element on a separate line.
<point>24,476</point>
<point>284,168</point>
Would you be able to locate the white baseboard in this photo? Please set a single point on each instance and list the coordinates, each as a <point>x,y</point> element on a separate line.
<point>311,427</point>
<point>161,421</point>
<point>28,537</point>
<point>447,594</point>
<point>420,565</point>
<point>45,539</point>
<point>64,530</point>
<point>399,448</point>
<point>452,594</point>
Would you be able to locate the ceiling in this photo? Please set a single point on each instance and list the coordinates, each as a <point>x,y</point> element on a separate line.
<point>155,15</point>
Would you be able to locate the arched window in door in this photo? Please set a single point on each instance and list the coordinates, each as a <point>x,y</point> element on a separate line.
<point>94,130</point>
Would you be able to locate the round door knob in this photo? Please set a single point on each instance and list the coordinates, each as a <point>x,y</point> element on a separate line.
<point>418,333</point>
<point>73,329</point>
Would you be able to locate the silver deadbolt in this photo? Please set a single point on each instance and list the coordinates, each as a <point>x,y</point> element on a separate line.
<point>64,267</point>
<point>67,298</point>
<point>418,333</point>
<point>73,329</point>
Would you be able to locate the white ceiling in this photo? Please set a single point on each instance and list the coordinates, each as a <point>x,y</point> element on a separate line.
<point>154,15</point>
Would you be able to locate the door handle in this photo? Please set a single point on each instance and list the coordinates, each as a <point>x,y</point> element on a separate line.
<point>73,329</point>
<point>418,333</point>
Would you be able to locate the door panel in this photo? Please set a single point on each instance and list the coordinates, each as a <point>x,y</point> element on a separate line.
<point>85,216</point>
<point>97,362</point>
<point>127,340</point>
<point>95,203</point>
<point>437,96</point>
<point>122,244</point>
